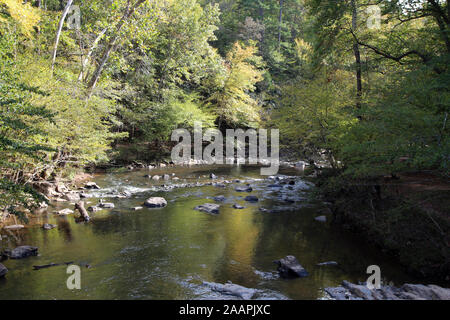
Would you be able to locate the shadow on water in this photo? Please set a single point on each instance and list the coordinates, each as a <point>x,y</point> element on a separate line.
<point>168,253</point>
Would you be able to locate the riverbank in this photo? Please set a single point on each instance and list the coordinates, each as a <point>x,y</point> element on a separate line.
<point>406,216</point>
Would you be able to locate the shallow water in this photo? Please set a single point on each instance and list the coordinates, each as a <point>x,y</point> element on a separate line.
<point>169,253</point>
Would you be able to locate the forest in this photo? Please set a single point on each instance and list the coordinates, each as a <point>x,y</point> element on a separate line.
<point>360,85</point>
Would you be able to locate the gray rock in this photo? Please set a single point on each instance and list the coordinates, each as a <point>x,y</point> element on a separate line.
<point>166,177</point>
<point>3,271</point>
<point>156,178</point>
<point>232,290</point>
<point>321,219</point>
<point>328,263</point>
<point>48,226</point>
<point>91,185</point>
<point>23,252</point>
<point>359,291</point>
<point>65,212</point>
<point>237,206</point>
<point>210,208</point>
<point>244,189</point>
<point>14,227</point>
<point>349,291</point>
<point>251,199</point>
<point>106,205</point>
<point>94,209</point>
<point>213,176</point>
<point>155,202</point>
<point>219,198</point>
<point>72,196</point>
<point>289,267</point>
<point>137,208</point>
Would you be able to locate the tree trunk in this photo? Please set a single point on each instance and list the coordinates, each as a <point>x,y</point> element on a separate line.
<point>110,47</point>
<point>357,55</point>
<point>91,51</point>
<point>58,33</point>
<point>84,214</point>
<point>280,21</point>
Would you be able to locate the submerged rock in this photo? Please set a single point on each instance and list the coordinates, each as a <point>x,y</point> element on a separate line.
<point>238,206</point>
<point>328,263</point>
<point>23,252</point>
<point>155,202</point>
<point>289,267</point>
<point>210,208</point>
<point>251,199</point>
<point>219,198</point>
<point>232,290</point>
<point>321,219</point>
<point>3,270</point>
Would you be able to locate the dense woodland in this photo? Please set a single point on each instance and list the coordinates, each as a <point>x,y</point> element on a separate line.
<point>369,97</point>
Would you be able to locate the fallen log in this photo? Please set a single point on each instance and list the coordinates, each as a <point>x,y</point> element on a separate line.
<point>84,214</point>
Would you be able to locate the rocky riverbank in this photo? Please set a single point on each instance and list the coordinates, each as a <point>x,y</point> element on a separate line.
<point>350,291</point>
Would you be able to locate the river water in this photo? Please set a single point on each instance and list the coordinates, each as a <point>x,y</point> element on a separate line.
<point>170,253</point>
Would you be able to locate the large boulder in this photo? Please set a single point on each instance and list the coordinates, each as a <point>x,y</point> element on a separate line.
<point>23,252</point>
<point>210,208</point>
<point>289,267</point>
<point>3,271</point>
<point>155,202</point>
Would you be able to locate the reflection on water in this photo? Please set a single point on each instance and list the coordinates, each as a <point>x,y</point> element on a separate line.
<point>168,253</point>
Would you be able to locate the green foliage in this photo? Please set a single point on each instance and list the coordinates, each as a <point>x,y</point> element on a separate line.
<point>235,106</point>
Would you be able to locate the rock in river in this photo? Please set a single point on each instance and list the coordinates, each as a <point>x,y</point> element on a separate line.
<point>14,227</point>
<point>91,185</point>
<point>289,267</point>
<point>238,206</point>
<point>210,208</point>
<point>3,271</point>
<point>219,198</point>
<point>155,202</point>
<point>23,252</point>
<point>328,263</point>
<point>244,189</point>
<point>232,290</point>
<point>321,219</point>
<point>48,226</point>
<point>251,199</point>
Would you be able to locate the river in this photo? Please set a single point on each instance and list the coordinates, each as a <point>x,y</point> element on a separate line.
<point>169,253</point>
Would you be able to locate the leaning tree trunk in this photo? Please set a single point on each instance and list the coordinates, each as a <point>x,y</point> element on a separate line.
<point>357,55</point>
<point>84,214</point>
<point>110,47</point>
<point>58,33</point>
<point>91,51</point>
